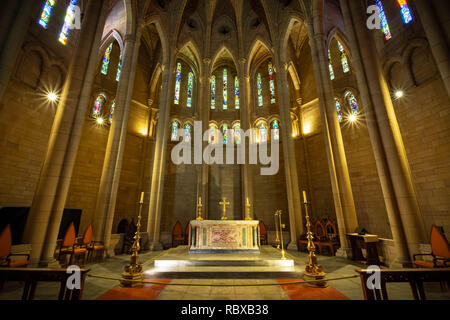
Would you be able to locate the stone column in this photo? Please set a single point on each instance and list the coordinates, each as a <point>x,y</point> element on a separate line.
<point>391,140</point>
<point>290,164</point>
<point>160,155</point>
<point>337,163</point>
<point>13,42</point>
<point>109,182</point>
<point>436,39</point>
<point>50,196</point>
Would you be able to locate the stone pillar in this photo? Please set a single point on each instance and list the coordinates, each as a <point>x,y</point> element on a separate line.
<point>337,163</point>
<point>391,141</point>
<point>13,42</point>
<point>246,169</point>
<point>160,155</point>
<point>290,164</point>
<point>436,39</point>
<point>50,196</point>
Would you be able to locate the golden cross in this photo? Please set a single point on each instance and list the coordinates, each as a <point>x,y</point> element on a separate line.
<point>224,203</point>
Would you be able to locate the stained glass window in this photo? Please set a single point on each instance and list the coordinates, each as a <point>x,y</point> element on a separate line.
<point>344,60</point>
<point>339,109</point>
<point>383,21</point>
<point>174,136</point>
<point>225,133</point>
<point>111,112</point>
<point>353,103</point>
<point>260,94</point>
<point>119,69</point>
<point>106,59</point>
<point>404,11</point>
<point>213,92</point>
<point>187,133</point>
<point>236,93</point>
<point>271,84</point>
<point>330,66</point>
<point>68,22</point>
<point>178,84</point>
<point>225,89</point>
<point>98,105</point>
<point>46,13</point>
<point>212,134</point>
<point>190,89</point>
<point>262,133</point>
<point>276,130</point>
<point>237,133</point>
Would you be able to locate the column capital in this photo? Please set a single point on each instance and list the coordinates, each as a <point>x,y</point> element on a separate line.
<point>299,101</point>
<point>150,102</point>
<point>320,36</point>
<point>206,60</point>
<point>242,61</point>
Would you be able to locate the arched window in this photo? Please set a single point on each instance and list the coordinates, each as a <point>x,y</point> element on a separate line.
<point>178,84</point>
<point>190,89</point>
<point>339,109</point>
<point>187,133</point>
<point>225,89</point>
<point>119,69</point>
<point>106,59</point>
<point>259,87</point>
<point>271,84</point>
<point>213,134</point>
<point>262,133</point>
<point>237,133</point>
<point>68,21</point>
<point>225,133</point>
<point>98,105</point>
<point>383,21</point>
<point>330,66</point>
<point>352,102</point>
<point>46,13</point>
<point>174,130</point>
<point>276,130</point>
<point>344,60</point>
<point>111,112</point>
<point>404,11</point>
<point>213,92</point>
<point>236,93</point>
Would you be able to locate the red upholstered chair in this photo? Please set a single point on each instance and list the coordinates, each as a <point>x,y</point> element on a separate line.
<point>69,247</point>
<point>177,234</point>
<point>262,232</point>
<point>5,251</point>
<point>440,251</point>
<point>187,233</point>
<point>91,246</point>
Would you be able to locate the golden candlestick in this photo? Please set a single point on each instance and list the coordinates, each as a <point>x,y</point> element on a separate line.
<point>312,269</point>
<point>199,209</point>
<point>247,210</point>
<point>133,271</point>
<point>277,240</point>
<point>283,253</point>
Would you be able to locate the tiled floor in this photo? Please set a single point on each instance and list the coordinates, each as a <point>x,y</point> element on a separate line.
<point>334,267</point>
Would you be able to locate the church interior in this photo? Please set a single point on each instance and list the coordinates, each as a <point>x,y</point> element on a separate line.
<point>352,97</point>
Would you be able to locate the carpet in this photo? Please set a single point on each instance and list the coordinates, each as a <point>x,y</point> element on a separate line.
<point>305,292</point>
<point>147,292</point>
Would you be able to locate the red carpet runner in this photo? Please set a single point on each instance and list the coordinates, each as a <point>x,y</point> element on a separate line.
<point>147,292</point>
<point>304,292</point>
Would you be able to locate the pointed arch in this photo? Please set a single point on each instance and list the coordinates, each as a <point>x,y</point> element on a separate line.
<point>218,53</point>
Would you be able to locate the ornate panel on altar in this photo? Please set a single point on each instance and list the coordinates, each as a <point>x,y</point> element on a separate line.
<point>222,236</point>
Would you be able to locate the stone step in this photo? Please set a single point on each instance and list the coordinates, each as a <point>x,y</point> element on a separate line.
<point>163,263</point>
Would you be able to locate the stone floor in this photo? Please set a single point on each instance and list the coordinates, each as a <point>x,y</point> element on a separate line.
<point>333,266</point>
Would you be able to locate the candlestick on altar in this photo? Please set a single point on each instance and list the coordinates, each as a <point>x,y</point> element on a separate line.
<point>247,211</point>
<point>199,209</point>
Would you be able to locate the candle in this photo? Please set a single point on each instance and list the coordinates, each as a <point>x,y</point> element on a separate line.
<point>142,197</point>
<point>200,200</point>
<point>248,202</point>
<point>304,197</point>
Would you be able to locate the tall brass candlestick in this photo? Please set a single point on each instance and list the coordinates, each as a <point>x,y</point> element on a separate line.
<point>199,209</point>
<point>312,269</point>
<point>277,240</point>
<point>133,271</point>
<point>283,253</point>
<point>247,210</point>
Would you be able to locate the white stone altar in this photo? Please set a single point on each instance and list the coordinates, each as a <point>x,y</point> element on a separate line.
<point>224,236</point>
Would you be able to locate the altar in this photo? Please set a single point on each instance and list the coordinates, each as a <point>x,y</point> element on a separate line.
<point>224,236</point>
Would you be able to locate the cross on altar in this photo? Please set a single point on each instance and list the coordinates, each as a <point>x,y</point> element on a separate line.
<point>224,203</point>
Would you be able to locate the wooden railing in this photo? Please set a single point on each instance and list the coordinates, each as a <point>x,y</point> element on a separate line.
<point>31,277</point>
<point>415,277</point>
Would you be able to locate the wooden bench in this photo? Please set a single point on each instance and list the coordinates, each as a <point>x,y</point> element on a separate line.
<point>415,277</point>
<point>31,277</point>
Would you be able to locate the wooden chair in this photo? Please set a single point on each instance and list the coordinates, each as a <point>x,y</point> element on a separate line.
<point>92,246</point>
<point>319,234</point>
<point>187,233</point>
<point>177,234</point>
<point>70,247</point>
<point>262,232</point>
<point>5,251</point>
<point>331,237</point>
<point>440,251</point>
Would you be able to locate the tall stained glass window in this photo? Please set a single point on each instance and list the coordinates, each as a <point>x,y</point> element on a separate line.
<point>225,89</point>
<point>212,134</point>
<point>225,133</point>
<point>271,84</point>
<point>352,102</point>
<point>339,109</point>
<point>276,130</point>
<point>404,11</point>
<point>237,133</point>
<point>178,84</point>
<point>111,112</point>
<point>259,87</point>
<point>174,136</point>
<point>262,133</point>
<point>383,21</point>
<point>190,89</point>
<point>46,13</point>
<point>119,69</point>
<point>68,21</point>
<point>106,59</point>
<point>213,92</point>
<point>98,105</point>
<point>187,133</point>
<point>344,60</point>
<point>330,66</point>
<point>236,93</point>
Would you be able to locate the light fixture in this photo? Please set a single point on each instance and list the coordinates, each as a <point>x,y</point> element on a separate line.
<point>352,118</point>
<point>399,94</point>
<point>100,120</point>
<point>52,97</point>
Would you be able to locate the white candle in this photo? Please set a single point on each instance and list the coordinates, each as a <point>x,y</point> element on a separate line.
<point>304,197</point>
<point>142,197</point>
